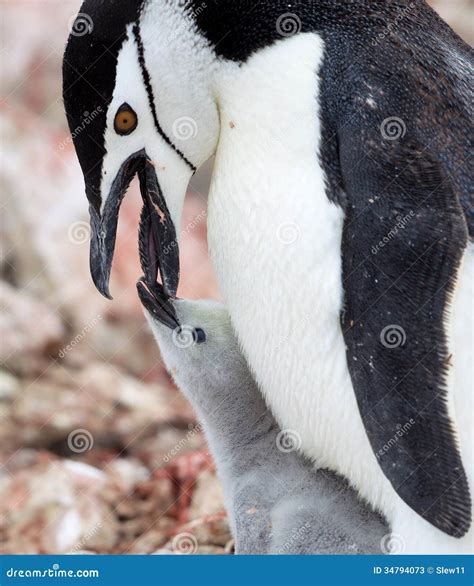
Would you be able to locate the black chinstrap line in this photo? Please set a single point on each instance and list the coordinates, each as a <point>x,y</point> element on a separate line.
<point>151,98</point>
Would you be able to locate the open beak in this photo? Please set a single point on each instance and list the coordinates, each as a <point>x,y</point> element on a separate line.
<point>158,244</point>
<point>154,297</point>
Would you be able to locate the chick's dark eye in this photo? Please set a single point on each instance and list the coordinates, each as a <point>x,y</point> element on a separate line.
<point>199,336</point>
<point>126,120</point>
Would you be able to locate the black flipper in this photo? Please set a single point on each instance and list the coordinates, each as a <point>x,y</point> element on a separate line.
<point>403,243</point>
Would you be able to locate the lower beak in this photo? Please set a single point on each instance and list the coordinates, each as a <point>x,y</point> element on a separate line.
<point>157,234</point>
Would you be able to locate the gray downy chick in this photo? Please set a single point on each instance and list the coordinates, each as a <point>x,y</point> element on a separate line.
<point>277,501</point>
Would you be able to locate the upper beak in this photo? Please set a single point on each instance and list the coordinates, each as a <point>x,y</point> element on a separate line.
<point>157,235</point>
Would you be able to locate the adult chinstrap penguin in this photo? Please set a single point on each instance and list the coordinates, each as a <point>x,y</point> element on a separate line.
<point>340,129</point>
<point>277,502</point>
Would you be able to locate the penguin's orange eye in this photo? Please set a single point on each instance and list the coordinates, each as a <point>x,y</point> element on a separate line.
<point>126,120</point>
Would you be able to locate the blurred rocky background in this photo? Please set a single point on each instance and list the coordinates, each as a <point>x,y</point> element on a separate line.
<point>99,452</point>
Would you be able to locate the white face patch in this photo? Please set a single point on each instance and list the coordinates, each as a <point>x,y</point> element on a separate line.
<point>129,89</point>
<point>172,172</point>
<point>178,124</point>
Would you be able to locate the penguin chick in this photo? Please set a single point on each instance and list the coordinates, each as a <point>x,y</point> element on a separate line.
<point>277,501</point>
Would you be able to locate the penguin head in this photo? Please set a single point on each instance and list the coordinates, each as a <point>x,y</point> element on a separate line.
<point>137,105</point>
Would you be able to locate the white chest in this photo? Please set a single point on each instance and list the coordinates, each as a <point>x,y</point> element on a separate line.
<point>275,240</point>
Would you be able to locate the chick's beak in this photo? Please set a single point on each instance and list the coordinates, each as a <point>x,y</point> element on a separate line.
<point>158,304</point>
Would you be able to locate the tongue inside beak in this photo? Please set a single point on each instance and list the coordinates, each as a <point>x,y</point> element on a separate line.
<point>159,250</point>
